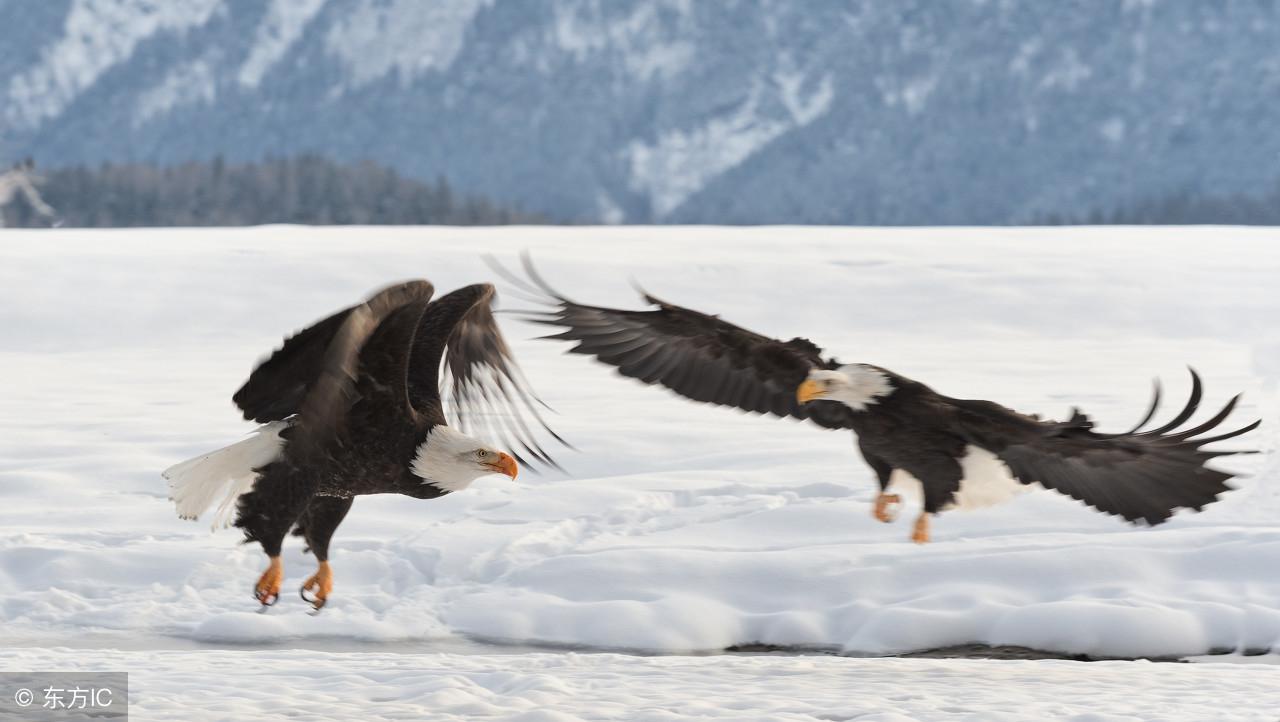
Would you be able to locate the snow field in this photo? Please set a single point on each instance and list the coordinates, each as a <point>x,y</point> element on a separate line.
<point>680,528</point>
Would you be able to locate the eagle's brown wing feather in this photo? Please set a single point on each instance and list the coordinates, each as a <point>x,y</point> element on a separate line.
<point>696,355</point>
<point>278,386</point>
<point>459,346</point>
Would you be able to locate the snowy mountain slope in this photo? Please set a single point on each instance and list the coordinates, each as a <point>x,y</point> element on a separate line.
<point>680,527</point>
<point>832,111</point>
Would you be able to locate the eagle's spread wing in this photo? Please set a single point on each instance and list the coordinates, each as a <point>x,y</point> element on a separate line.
<point>486,393</point>
<point>277,386</point>
<point>698,356</point>
<point>1139,475</point>
<point>313,373</point>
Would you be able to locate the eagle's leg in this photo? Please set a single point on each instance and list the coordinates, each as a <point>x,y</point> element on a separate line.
<point>267,590</point>
<point>885,508</point>
<point>320,585</point>
<point>939,476</point>
<point>266,514</point>
<point>920,532</point>
<point>316,525</point>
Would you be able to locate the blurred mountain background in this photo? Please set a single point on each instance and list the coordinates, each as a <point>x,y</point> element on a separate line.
<point>661,111</point>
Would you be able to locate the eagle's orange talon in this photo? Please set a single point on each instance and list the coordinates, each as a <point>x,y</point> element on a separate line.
<point>267,590</point>
<point>320,584</point>
<point>886,508</point>
<point>920,533</point>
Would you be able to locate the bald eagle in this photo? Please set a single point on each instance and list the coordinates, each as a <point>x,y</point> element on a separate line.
<point>953,452</point>
<point>352,406</point>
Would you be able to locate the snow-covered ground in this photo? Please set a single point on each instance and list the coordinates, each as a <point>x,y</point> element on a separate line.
<point>680,528</point>
<point>292,685</point>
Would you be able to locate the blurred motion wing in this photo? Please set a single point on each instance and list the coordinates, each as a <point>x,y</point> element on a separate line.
<point>279,385</point>
<point>485,392</point>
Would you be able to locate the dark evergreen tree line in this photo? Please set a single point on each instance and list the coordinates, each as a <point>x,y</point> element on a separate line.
<point>313,190</point>
<point>1186,208</point>
<point>306,189</point>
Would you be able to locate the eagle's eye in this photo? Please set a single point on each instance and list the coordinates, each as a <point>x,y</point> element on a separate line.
<point>482,454</point>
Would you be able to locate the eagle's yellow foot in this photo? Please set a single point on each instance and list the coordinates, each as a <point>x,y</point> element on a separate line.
<point>267,590</point>
<point>886,509</point>
<point>920,533</point>
<point>320,585</point>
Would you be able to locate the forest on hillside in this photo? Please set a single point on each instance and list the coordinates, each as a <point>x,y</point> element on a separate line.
<point>313,190</point>
<point>306,189</point>
<point>1188,209</point>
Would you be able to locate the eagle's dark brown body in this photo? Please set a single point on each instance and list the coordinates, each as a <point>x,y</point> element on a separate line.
<point>908,430</point>
<point>317,478</point>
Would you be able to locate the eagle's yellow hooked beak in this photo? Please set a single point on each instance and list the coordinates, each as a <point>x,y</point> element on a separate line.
<point>505,465</point>
<point>809,390</point>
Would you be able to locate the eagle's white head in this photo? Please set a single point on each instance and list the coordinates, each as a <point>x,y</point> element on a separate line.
<point>450,460</point>
<point>855,385</point>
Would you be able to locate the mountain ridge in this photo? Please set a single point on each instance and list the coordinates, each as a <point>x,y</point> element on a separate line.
<point>966,112</point>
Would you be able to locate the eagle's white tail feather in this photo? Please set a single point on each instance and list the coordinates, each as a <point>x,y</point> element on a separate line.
<point>228,473</point>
